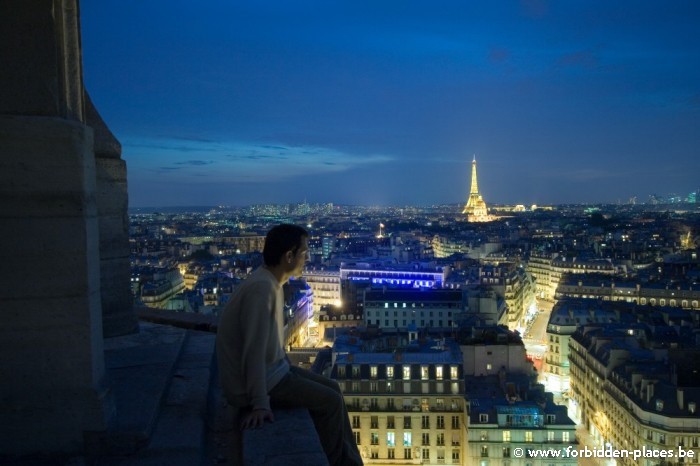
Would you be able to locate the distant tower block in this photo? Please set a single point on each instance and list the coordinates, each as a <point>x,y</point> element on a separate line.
<point>476,210</point>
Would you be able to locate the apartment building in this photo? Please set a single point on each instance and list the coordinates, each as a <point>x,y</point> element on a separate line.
<point>548,270</point>
<point>515,285</point>
<point>638,385</point>
<point>506,407</point>
<point>566,315</point>
<point>401,308</point>
<point>684,294</point>
<point>405,398</point>
<point>325,285</point>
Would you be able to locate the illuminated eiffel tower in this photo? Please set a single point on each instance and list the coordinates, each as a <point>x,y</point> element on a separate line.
<point>475,209</point>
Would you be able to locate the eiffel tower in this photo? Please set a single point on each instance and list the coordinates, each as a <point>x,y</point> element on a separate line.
<point>475,209</point>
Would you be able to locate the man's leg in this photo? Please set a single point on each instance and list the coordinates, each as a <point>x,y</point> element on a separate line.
<point>351,452</point>
<point>322,397</point>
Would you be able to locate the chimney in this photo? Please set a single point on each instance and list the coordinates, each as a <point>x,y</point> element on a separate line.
<point>679,396</point>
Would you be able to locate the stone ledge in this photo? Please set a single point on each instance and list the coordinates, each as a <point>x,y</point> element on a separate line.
<point>187,320</point>
<point>289,441</point>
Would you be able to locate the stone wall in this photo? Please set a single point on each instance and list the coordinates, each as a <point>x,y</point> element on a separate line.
<point>63,222</point>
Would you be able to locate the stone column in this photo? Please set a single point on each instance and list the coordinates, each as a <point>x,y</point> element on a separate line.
<point>118,315</point>
<point>51,345</point>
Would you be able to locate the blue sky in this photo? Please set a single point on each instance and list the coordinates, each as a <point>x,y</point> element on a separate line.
<point>386,102</point>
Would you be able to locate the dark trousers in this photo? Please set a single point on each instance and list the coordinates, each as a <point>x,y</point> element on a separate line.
<point>322,397</point>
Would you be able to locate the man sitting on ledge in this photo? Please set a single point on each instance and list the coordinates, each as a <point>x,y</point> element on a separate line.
<point>255,373</point>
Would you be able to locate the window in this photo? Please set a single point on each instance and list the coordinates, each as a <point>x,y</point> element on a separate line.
<point>407,453</point>
<point>374,422</point>
<point>441,422</point>
<point>426,454</point>
<point>374,454</point>
<point>390,453</point>
<point>389,387</point>
<point>564,436</point>
<point>407,422</point>
<point>373,388</point>
<point>454,372</point>
<point>455,439</point>
<point>484,451</point>
<point>355,371</point>
<point>390,422</point>
<point>455,456</point>
<point>374,403</point>
<point>357,437</point>
<point>484,437</point>
<point>506,452</point>
<point>438,372</point>
<point>441,440</point>
<point>455,388</point>
<point>356,422</point>
<point>528,436</point>
<point>407,372</point>
<point>374,438</point>
<point>483,418</point>
<point>341,371</point>
<point>425,422</point>
<point>424,372</point>
<point>407,439</point>
<point>389,372</point>
<point>550,436</point>
<point>356,386</point>
<point>390,439</point>
<point>373,372</point>
<point>506,436</point>
<point>455,422</point>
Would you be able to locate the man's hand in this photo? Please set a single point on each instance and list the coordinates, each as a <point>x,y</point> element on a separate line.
<point>256,418</point>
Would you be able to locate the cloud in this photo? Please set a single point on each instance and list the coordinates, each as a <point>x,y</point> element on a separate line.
<point>242,161</point>
<point>195,162</point>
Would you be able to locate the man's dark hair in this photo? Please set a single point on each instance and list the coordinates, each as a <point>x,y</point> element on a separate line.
<point>279,240</point>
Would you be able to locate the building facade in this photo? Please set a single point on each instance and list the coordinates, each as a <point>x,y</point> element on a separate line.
<point>637,387</point>
<point>404,407</point>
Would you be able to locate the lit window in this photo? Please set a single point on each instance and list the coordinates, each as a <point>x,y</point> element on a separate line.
<point>389,372</point>
<point>407,372</point>
<point>407,439</point>
<point>438,372</point>
<point>424,372</point>
<point>390,439</point>
<point>506,436</point>
<point>454,374</point>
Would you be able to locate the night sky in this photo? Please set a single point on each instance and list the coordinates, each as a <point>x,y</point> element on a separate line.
<point>386,102</point>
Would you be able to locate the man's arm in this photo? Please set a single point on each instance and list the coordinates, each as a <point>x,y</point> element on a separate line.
<point>257,314</point>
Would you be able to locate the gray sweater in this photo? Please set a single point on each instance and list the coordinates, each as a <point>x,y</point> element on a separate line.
<point>248,342</point>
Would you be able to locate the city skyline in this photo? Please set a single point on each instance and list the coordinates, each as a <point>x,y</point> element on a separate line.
<point>386,104</point>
